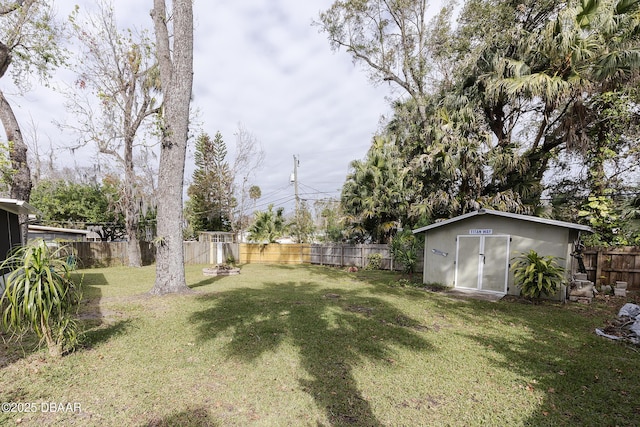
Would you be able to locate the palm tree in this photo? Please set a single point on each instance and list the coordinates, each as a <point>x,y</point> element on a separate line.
<point>268,225</point>
<point>255,193</point>
<point>550,73</point>
<point>374,196</point>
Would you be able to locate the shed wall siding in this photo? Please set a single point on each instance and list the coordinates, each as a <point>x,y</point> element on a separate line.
<point>543,238</point>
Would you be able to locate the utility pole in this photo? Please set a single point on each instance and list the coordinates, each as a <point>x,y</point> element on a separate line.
<point>296,162</point>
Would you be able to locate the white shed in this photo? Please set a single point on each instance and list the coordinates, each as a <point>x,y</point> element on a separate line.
<point>474,251</point>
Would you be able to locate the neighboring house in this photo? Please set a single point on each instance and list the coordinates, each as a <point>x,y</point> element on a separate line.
<point>10,235</point>
<point>474,251</point>
<point>54,234</point>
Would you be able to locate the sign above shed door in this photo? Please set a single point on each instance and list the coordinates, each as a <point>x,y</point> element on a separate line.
<point>482,262</point>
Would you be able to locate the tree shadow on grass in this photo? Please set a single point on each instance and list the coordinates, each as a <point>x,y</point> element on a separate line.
<point>584,379</point>
<point>16,347</point>
<point>382,282</point>
<point>105,332</point>
<point>198,417</point>
<point>205,282</point>
<point>98,325</point>
<point>333,330</point>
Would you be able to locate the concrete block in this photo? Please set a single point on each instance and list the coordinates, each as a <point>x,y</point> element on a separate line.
<point>620,292</point>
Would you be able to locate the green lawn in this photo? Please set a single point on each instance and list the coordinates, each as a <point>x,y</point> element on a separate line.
<point>307,345</point>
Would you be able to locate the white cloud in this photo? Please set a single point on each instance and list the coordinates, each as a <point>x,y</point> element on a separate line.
<point>262,64</point>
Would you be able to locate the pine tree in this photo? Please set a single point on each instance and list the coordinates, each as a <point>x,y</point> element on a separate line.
<point>210,196</point>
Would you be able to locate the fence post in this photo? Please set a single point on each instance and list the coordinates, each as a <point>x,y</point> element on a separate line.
<point>599,262</point>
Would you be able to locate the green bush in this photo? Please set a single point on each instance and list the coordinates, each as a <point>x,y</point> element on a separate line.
<point>40,296</point>
<point>536,275</point>
<point>405,249</point>
<point>374,261</point>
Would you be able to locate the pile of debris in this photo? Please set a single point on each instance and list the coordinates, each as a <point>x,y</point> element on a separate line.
<point>581,289</point>
<point>626,327</point>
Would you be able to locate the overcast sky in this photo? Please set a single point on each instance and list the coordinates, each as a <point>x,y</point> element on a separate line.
<point>262,64</point>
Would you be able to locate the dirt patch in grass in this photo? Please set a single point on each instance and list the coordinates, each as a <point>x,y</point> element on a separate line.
<point>367,311</point>
<point>426,402</point>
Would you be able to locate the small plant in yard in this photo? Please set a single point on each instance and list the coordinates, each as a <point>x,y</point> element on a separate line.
<point>407,282</point>
<point>405,248</point>
<point>40,296</point>
<point>374,261</point>
<point>231,260</point>
<point>536,275</point>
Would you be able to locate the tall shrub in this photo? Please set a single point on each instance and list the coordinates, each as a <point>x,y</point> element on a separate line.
<point>405,249</point>
<point>40,296</point>
<point>536,275</point>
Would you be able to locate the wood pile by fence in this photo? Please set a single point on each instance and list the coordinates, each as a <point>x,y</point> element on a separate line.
<point>605,266</point>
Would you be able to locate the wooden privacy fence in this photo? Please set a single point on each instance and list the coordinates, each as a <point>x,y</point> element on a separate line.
<point>357,255</point>
<point>348,255</point>
<point>275,253</point>
<point>605,266</point>
<point>108,254</point>
<point>210,252</point>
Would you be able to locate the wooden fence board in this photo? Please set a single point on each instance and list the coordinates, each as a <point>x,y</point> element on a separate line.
<point>605,266</point>
<point>106,254</point>
<point>275,253</point>
<point>356,255</point>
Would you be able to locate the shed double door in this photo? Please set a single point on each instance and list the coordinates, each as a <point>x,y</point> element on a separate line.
<point>482,262</point>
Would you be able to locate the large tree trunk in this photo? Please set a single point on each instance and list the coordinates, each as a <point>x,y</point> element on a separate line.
<point>131,205</point>
<point>21,177</point>
<point>132,213</point>
<point>176,75</point>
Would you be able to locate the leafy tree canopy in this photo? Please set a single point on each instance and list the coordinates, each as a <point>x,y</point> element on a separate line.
<point>64,203</point>
<point>492,110</point>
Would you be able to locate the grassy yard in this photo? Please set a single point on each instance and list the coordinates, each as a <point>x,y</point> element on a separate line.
<point>307,345</point>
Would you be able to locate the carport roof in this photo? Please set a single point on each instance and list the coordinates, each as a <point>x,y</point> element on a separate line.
<point>529,218</point>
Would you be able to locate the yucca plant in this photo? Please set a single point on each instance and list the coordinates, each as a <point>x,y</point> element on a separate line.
<point>536,275</point>
<point>40,296</point>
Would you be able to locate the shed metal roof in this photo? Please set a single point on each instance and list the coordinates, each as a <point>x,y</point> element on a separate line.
<point>18,207</point>
<point>43,228</point>
<point>529,218</point>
